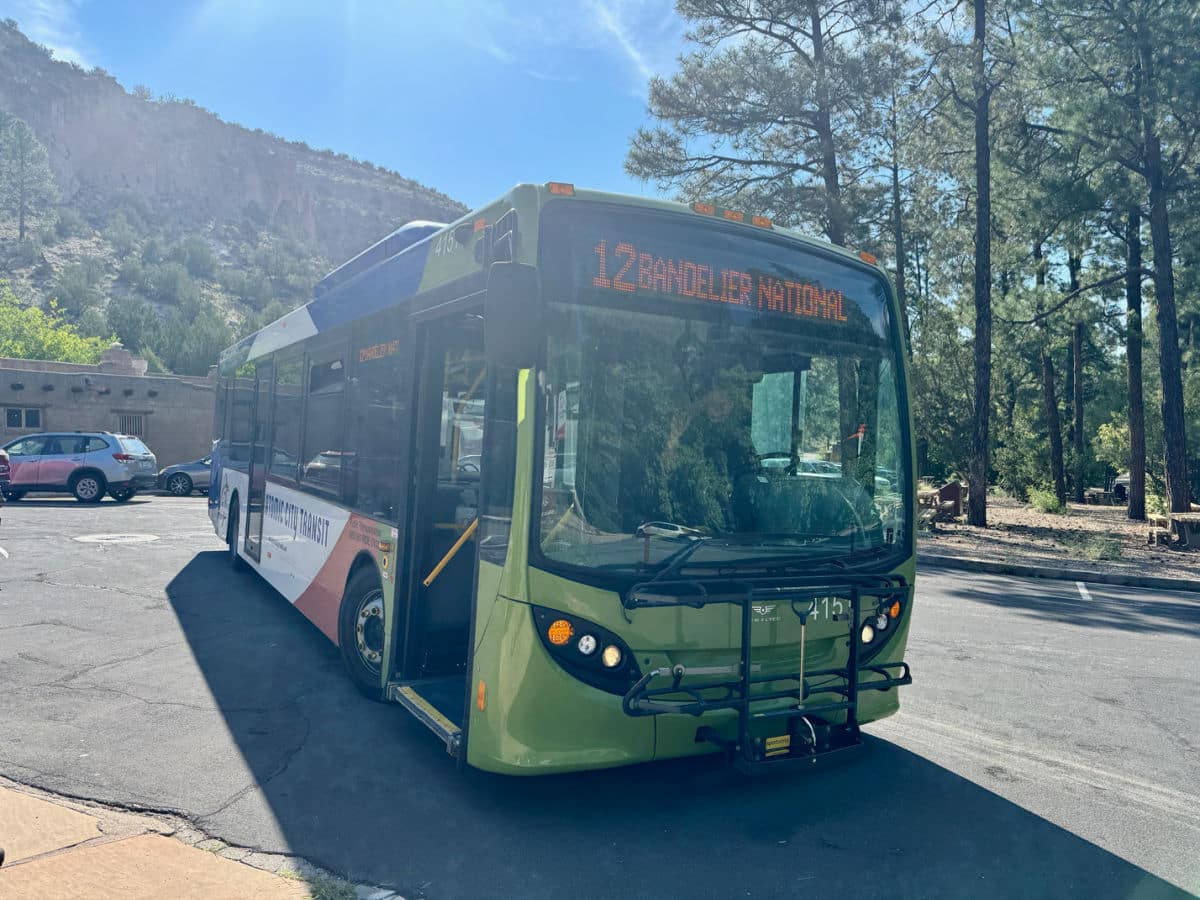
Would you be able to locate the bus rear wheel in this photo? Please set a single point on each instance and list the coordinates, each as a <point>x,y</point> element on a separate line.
<point>361,632</point>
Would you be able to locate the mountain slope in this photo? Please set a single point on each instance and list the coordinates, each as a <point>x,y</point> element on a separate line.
<point>172,223</point>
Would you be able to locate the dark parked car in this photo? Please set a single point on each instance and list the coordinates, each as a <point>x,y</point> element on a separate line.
<point>183,478</point>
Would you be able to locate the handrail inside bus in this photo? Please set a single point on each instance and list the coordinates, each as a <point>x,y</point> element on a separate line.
<point>450,554</point>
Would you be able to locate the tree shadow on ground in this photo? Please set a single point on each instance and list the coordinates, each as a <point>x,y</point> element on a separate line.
<point>364,790</point>
<point>1060,601</point>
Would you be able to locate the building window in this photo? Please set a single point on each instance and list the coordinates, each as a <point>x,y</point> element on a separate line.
<point>16,417</point>
<point>132,424</point>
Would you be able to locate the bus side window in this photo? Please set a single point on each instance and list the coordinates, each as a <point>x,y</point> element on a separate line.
<point>378,422</point>
<point>285,441</point>
<point>324,457</point>
<point>238,434</point>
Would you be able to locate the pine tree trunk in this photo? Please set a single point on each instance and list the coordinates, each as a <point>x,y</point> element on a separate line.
<point>1170,361</point>
<point>1049,390</point>
<point>1054,427</point>
<point>1169,358</point>
<point>1133,355</point>
<point>977,501</point>
<point>835,225</point>
<point>1077,408</point>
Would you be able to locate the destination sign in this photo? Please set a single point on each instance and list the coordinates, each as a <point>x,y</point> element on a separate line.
<point>624,267</point>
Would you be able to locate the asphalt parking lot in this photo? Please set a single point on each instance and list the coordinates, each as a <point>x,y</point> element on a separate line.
<point>1048,746</point>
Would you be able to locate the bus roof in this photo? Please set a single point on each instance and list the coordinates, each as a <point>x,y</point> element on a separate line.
<point>420,256</point>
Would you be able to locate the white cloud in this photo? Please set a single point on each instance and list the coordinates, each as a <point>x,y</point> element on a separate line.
<point>52,23</point>
<point>646,33</point>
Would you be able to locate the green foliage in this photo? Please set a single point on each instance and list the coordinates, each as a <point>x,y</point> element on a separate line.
<point>26,253</point>
<point>154,364</point>
<point>131,272</point>
<point>198,257</point>
<point>120,234</point>
<point>27,332</point>
<point>27,186</point>
<point>69,223</point>
<point>152,252</point>
<point>190,345</point>
<point>170,284</point>
<point>1094,547</point>
<point>133,321</point>
<point>76,288</point>
<point>1045,501</point>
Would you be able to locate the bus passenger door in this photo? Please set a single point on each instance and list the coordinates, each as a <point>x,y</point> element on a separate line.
<point>446,481</point>
<point>258,457</point>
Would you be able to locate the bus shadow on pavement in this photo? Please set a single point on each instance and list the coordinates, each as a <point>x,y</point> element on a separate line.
<point>363,789</point>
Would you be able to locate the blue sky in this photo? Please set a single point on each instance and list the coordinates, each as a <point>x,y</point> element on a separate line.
<point>465,96</point>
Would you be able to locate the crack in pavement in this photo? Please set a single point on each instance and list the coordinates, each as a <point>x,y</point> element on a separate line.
<point>154,702</point>
<point>258,783</point>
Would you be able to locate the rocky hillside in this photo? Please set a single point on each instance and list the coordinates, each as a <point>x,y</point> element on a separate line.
<point>163,204</point>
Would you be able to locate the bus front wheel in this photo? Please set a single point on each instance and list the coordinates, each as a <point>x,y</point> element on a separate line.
<point>361,631</point>
<point>231,536</point>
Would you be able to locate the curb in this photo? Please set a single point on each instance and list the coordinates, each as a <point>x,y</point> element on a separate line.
<point>1027,571</point>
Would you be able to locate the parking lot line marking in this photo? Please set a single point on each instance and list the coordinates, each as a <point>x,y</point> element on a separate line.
<point>3,553</point>
<point>1083,591</point>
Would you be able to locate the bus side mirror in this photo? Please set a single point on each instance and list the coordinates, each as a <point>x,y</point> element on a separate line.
<point>512,316</point>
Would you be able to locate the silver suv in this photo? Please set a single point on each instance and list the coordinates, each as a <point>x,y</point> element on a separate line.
<point>83,463</point>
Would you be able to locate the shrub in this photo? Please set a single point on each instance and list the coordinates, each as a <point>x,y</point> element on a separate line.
<point>1046,501</point>
<point>26,253</point>
<point>120,234</point>
<point>75,288</point>
<point>198,257</point>
<point>69,223</point>
<point>1097,547</point>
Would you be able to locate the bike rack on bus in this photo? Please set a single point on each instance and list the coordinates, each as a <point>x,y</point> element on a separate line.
<point>754,754</point>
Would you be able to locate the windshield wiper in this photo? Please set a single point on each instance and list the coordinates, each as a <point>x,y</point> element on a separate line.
<point>673,562</point>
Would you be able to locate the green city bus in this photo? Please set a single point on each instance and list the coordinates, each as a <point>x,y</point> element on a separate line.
<point>583,480</point>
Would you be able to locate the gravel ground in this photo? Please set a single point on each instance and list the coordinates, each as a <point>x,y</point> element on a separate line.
<point>1099,538</point>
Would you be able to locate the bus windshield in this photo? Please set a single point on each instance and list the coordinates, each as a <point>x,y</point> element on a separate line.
<point>715,395</point>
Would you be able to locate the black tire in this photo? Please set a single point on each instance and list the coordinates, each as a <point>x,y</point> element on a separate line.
<point>361,632</point>
<point>179,484</point>
<point>231,532</point>
<point>88,487</point>
<point>13,496</point>
<point>124,495</point>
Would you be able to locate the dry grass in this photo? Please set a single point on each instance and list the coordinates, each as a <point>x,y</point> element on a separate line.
<point>1099,537</point>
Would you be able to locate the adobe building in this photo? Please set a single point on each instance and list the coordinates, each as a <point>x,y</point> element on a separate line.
<point>171,414</point>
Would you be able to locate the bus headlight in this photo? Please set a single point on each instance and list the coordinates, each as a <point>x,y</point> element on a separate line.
<point>587,651</point>
<point>868,633</point>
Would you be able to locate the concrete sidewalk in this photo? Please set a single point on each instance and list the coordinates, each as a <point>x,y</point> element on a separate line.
<point>56,849</point>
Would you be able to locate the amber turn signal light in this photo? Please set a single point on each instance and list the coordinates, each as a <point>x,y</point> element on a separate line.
<point>559,632</point>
